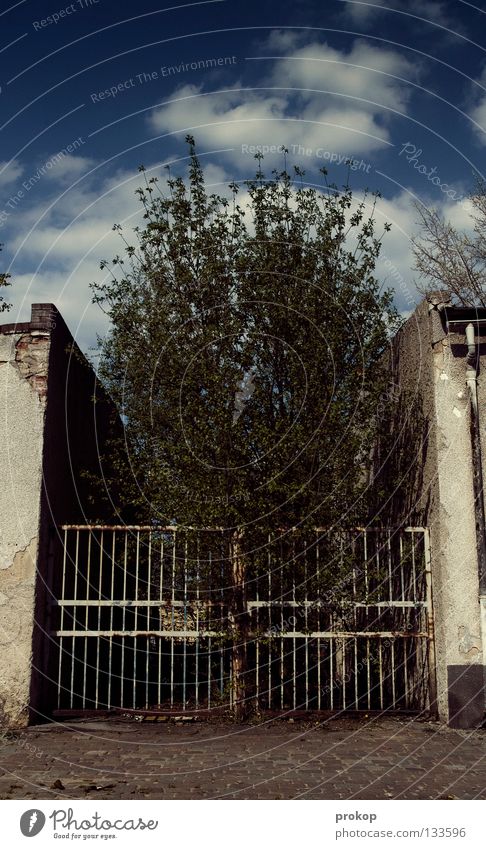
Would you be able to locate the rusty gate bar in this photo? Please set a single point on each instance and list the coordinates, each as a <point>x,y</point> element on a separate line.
<point>144,620</point>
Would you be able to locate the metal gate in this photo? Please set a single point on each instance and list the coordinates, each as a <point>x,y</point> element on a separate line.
<point>159,619</point>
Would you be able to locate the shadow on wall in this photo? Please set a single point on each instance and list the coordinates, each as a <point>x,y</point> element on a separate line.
<point>397,492</point>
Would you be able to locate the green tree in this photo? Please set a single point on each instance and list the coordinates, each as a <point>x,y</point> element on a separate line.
<point>244,351</point>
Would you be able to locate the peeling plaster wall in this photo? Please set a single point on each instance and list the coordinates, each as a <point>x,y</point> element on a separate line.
<point>430,370</point>
<point>23,374</point>
<point>457,583</point>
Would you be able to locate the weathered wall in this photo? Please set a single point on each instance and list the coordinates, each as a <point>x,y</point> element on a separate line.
<point>457,580</point>
<point>430,457</point>
<point>54,423</point>
<point>23,373</point>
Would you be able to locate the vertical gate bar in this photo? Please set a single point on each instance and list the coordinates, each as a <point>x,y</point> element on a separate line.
<point>197,623</point>
<point>122,671</point>
<point>365,554</point>
<point>63,595</point>
<point>221,616</point>
<point>344,671</point>
<point>405,673</point>
<point>281,673</point>
<point>147,655</point>
<point>366,575</point>
<point>390,583</point>
<point>257,643</point>
<point>172,619</point>
<point>379,594</point>
<point>368,673</point>
<point>381,578</point>
<point>355,615</point>
<point>184,642</point>
<point>88,579</point>
<point>365,558</point>
<point>100,589</point>
<point>414,572</point>
<point>380,660</point>
<point>269,611</point>
<point>161,583</point>
<point>149,596</point>
<point>161,599</point>
<point>112,596</point>
<point>306,628</point>
<point>318,565</point>
<point>413,653</point>
<point>75,595</point>
<point>209,673</point>
<point>405,583</point>
<point>135,615</point>
<point>209,622</point>
<point>294,672</point>
<point>432,683</point>
<point>281,627</point>
<point>307,673</point>
<point>294,642</point>
<point>331,669</point>
<point>400,547</point>
<point>402,576</point>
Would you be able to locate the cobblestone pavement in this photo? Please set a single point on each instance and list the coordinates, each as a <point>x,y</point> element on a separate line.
<point>338,759</point>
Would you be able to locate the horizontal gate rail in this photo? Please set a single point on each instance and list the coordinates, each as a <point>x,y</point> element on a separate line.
<point>328,635</point>
<point>152,617</point>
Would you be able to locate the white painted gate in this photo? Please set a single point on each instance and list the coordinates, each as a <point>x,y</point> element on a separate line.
<point>152,618</point>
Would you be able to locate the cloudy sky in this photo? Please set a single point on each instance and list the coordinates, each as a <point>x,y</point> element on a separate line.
<point>93,88</point>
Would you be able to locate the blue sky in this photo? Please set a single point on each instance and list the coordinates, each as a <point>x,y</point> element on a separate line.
<point>90,90</point>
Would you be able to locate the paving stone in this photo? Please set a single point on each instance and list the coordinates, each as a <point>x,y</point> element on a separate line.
<point>341,759</point>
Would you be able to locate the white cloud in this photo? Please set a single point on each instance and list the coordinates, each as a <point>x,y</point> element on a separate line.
<point>224,120</point>
<point>366,13</point>
<point>364,73</point>
<point>69,167</point>
<point>58,244</point>
<point>359,13</point>
<point>478,111</point>
<point>10,173</point>
<point>71,244</point>
<point>314,95</point>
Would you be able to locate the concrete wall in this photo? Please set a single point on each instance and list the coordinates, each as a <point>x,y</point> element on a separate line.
<point>54,424</point>
<point>428,467</point>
